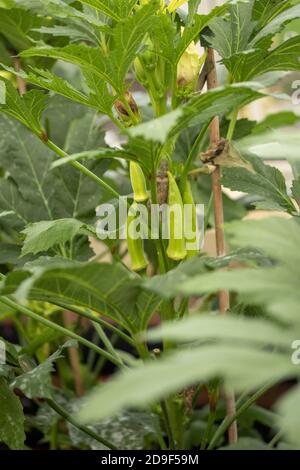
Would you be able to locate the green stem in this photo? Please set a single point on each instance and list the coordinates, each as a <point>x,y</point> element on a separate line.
<point>229,420</point>
<point>193,153</point>
<point>68,417</point>
<point>98,320</point>
<point>165,412</point>
<point>107,342</point>
<point>102,360</point>
<point>275,439</point>
<point>61,153</point>
<point>61,329</point>
<point>209,426</point>
<point>232,124</point>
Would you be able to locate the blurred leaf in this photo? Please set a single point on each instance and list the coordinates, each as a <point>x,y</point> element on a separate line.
<point>289,421</point>
<point>281,119</point>
<point>36,382</point>
<point>126,431</point>
<point>11,418</point>
<point>155,380</point>
<point>247,443</point>
<point>225,329</point>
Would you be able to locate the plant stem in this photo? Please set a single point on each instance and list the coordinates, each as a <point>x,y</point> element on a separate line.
<point>107,343</point>
<point>275,439</point>
<point>74,357</point>
<point>193,152</point>
<point>101,322</point>
<point>167,420</point>
<point>61,153</point>
<point>68,417</point>
<point>232,124</point>
<point>61,329</point>
<point>209,426</point>
<point>224,302</point>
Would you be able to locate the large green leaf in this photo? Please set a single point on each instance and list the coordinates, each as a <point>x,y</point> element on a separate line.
<point>99,97</point>
<point>265,10</point>
<point>46,194</point>
<point>225,329</point>
<point>183,368</point>
<point>264,181</point>
<point>273,121</point>
<point>251,24</point>
<point>232,34</point>
<point>15,25</point>
<point>246,65</point>
<point>126,38</point>
<point>274,287</point>
<point>275,144</point>
<point>264,35</point>
<point>11,418</point>
<point>168,285</point>
<point>270,236</point>
<point>107,289</point>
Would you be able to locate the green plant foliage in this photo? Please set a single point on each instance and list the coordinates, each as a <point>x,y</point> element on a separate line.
<point>94,105</point>
<point>11,418</point>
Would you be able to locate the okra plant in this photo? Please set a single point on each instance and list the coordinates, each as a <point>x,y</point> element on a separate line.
<point>139,106</point>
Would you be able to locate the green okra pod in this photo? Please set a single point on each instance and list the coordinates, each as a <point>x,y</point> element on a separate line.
<point>135,245</point>
<point>138,182</point>
<point>176,248</point>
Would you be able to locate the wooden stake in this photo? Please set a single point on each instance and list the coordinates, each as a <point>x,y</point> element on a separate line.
<point>224,302</point>
<point>22,87</point>
<point>69,319</point>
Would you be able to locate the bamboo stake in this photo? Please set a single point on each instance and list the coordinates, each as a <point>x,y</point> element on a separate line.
<point>22,86</point>
<point>74,357</point>
<point>224,302</point>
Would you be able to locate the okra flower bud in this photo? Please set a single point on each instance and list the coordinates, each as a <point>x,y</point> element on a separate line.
<point>176,248</point>
<point>135,245</point>
<point>188,68</point>
<point>138,182</point>
<point>123,111</point>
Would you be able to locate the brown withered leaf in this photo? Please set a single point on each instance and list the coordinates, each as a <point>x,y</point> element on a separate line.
<point>224,153</point>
